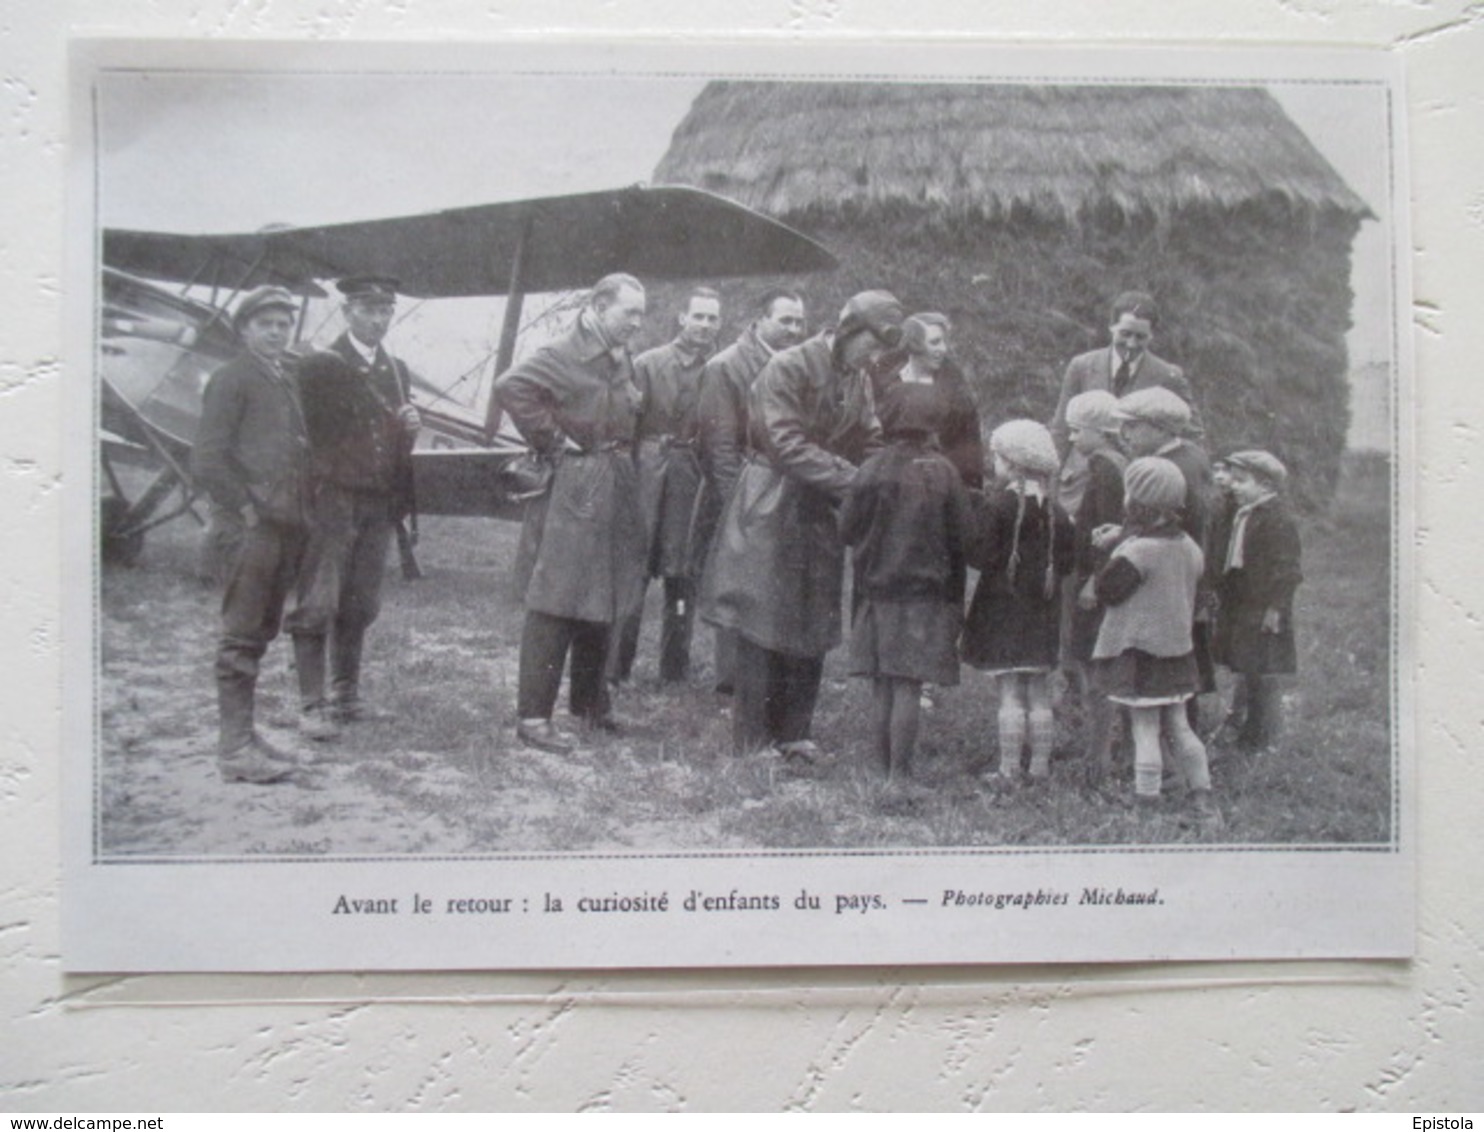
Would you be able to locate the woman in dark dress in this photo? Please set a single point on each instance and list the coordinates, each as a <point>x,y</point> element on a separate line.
<point>924,359</point>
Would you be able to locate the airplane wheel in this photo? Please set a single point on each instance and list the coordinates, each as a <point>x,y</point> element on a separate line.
<point>118,550</point>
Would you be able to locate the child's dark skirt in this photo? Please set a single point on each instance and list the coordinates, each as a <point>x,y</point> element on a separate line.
<point>1135,677</point>
<point>909,640</point>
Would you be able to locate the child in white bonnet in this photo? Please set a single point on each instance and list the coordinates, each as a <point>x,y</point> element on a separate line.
<point>1023,547</point>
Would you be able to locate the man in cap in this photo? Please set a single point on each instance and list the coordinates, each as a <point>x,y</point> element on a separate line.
<point>361,429</point>
<point>1124,366</point>
<point>776,577</point>
<point>668,378</point>
<point>726,383</point>
<point>581,560</point>
<point>252,459</point>
<point>1156,422</point>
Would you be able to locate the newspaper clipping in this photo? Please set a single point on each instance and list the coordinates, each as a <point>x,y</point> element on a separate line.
<point>558,506</point>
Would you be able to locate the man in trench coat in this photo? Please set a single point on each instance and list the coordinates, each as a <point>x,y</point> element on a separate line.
<point>777,571</point>
<point>726,384</point>
<point>581,559</point>
<point>669,379</point>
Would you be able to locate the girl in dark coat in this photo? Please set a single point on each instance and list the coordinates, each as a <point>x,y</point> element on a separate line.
<point>906,518</point>
<point>1259,570</point>
<point>1023,546</point>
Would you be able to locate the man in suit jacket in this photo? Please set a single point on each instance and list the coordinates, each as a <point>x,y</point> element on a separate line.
<point>361,430</point>
<point>1123,366</point>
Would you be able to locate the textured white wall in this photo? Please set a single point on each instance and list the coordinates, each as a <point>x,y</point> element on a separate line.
<point>1327,1036</point>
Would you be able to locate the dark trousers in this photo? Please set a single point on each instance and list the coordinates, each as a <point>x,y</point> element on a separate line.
<point>726,659</point>
<point>544,644</point>
<point>342,595</point>
<point>773,698</point>
<point>675,634</point>
<point>1263,725</point>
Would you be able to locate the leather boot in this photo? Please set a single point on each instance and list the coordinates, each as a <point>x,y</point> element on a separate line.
<point>315,720</point>
<point>345,671</point>
<point>309,660</point>
<point>235,713</point>
<point>242,754</point>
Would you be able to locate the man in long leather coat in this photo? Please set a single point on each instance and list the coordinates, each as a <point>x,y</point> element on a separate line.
<point>777,576</point>
<point>668,378</point>
<point>361,430</point>
<point>726,384</point>
<point>581,560</point>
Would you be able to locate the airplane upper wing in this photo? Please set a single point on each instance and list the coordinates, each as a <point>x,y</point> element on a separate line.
<point>663,232</point>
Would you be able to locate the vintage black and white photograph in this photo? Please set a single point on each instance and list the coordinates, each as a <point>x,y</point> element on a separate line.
<point>671,491</point>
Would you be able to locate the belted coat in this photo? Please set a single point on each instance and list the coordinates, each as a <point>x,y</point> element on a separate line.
<point>776,574</point>
<point>721,432</point>
<point>669,379</point>
<point>582,545</point>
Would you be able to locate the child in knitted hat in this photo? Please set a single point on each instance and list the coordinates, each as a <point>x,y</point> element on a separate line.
<point>1258,570</point>
<point>1094,425</point>
<point>1144,658</point>
<point>1023,546</point>
<point>906,519</point>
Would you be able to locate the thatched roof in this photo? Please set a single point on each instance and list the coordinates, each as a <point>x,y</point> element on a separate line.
<point>787,148</point>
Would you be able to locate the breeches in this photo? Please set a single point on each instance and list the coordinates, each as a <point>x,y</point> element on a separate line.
<point>347,562</point>
<point>267,568</point>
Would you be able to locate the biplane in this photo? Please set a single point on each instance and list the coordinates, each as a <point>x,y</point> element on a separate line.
<point>165,325</point>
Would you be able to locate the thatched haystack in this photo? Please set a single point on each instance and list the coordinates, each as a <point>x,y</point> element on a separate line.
<point>1021,210</point>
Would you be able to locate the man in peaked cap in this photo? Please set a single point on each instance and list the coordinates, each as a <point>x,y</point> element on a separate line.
<point>252,459</point>
<point>777,573</point>
<point>361,426</point>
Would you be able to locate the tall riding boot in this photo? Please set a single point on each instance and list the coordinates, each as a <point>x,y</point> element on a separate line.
<point>242,754</point>
<point>234,701</point>
<point>314,713</point>
<point>345,670</point>
<point>309,660</point>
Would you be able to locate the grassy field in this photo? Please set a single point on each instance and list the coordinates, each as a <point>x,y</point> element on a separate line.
<point>447,777</point>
